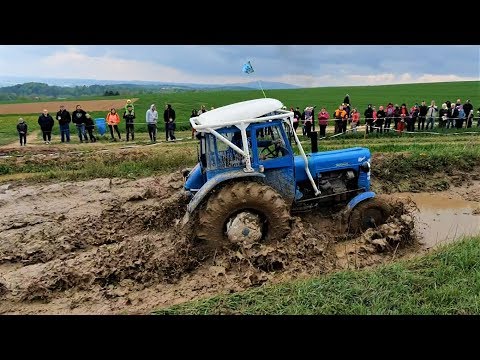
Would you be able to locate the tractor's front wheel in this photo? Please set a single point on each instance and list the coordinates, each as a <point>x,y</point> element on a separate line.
<point>243,204</point>
<point>369,214</point>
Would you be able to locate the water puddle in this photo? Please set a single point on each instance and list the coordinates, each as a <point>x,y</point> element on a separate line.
<point>443,217</point>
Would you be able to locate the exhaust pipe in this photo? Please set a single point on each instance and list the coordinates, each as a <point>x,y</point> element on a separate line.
<point>314,141</point>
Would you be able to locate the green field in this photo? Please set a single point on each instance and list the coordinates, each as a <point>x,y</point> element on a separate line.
<point>329,97</point>
<point>446,282</point>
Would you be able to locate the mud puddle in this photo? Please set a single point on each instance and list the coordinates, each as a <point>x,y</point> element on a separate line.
<point>445,217</point>
<point>109,246</point>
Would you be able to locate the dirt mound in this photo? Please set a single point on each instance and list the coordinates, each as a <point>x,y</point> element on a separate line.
<point>111,245</point>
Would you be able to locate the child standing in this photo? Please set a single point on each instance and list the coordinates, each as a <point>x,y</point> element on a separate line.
<point>89,126</point>
<point>22,131</point>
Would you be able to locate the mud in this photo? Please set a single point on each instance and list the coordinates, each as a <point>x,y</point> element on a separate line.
<point>110,246</point>
<point>441,218</point>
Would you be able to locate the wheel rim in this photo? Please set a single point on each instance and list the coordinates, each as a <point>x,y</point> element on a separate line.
<point>372,218</point>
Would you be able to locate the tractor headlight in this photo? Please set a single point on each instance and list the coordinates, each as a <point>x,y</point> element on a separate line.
<point>365,166</point>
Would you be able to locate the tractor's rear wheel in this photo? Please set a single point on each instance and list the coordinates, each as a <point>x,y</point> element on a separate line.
<point>234,199</point>
<point>369,214</point>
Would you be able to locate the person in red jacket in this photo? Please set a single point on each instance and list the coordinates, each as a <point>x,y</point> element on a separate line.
<point>113,120</point>
<point>355,120</point>
<point>323,117</point>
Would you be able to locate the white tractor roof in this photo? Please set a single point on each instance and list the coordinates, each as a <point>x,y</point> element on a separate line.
<point>237,112</point>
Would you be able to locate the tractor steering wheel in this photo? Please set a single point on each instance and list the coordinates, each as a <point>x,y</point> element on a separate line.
<point>271,151</point>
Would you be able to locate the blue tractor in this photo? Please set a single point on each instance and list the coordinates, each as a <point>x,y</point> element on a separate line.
<point>248,173</point>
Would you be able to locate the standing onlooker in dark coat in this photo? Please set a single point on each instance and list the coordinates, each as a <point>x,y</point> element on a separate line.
<point>79,119</point>
<point>129,116</point>
<point>22,131</point>
<point>368,118</point>
<point>422,115</point>
<point>168,114</point>
<point>297,116</point>
<point>46,124</point>
<point>89,126</point>
<point>380,118</point>
<point>64,119</point>
<point>468,107</point>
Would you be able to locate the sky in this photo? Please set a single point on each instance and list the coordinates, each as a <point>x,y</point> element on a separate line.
<point>302,65</point>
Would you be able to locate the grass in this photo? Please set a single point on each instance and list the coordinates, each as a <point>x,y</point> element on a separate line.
<point>445,282</point>
<point>402,156</point>
<point>329,97</point>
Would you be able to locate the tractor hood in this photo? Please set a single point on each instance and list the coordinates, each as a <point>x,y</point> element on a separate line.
<point>326,161</point>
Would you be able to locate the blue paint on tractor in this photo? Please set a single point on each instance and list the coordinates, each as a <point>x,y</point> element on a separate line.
<point>359,198</point>
<point>340,175</point>
<point>214,182</point>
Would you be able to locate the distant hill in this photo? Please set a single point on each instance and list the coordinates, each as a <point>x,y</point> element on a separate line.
<point>7,81</point>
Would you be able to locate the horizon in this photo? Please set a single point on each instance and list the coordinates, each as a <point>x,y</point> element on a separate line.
<point>305,66</point>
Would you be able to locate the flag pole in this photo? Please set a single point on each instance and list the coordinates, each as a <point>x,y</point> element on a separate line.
<point>259,83</point>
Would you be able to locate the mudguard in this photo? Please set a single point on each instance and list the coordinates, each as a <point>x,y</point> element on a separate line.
<point>211,184</point>
<point>359,198</point>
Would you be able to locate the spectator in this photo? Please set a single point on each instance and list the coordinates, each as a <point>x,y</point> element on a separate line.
<point>340,120</point>
<point>195,114</point>
<point>380,118</point>
<point>89,126</point>
<point>422,115</point>
<point>323,117</point>
<point>296,117</point>
<point>389,115</point>
<point>202,110</point>
<point>171,130</point>
<point>469,119</point>
<point>168,114</point>
<point>404,116</point>
<point>79,118</point>
<point>368,113</point>
<point>22,129</point>
<point>431,113</point>
<point>46,124</point>
<point>308,120</point>
<point>396,116</point>
<point>129,117</point>
<point>452,115</point>
<point>442,116</point>
<point>152,118</point>
<point>460,117</point>
<point>355,120</point>
<point>467,107</point>
<point>113,120</point>
<point>64,118</point>
<point>412,119</point>
<point>129,104</point>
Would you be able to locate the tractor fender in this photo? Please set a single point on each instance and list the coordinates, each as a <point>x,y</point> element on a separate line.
<point>359,198</point>
<point>213,183</point>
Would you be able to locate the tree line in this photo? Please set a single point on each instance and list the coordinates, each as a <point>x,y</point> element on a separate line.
<point>32,90</point>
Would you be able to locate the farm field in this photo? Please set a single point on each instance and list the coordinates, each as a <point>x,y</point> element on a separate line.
<point>94,228</point>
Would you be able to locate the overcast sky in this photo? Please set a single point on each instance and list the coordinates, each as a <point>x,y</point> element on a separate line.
<point>305,65</point>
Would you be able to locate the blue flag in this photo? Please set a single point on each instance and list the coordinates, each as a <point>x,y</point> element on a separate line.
<point>247,68</point>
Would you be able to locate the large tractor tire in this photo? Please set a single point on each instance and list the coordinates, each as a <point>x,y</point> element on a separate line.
<point>233,199</point>
<point>369,214</point>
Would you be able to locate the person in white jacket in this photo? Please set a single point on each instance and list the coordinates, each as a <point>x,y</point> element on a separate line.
<point>152,118</point>
<point>431,115</point>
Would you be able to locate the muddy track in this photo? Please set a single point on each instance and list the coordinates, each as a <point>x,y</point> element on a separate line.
<point>113,246</point>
